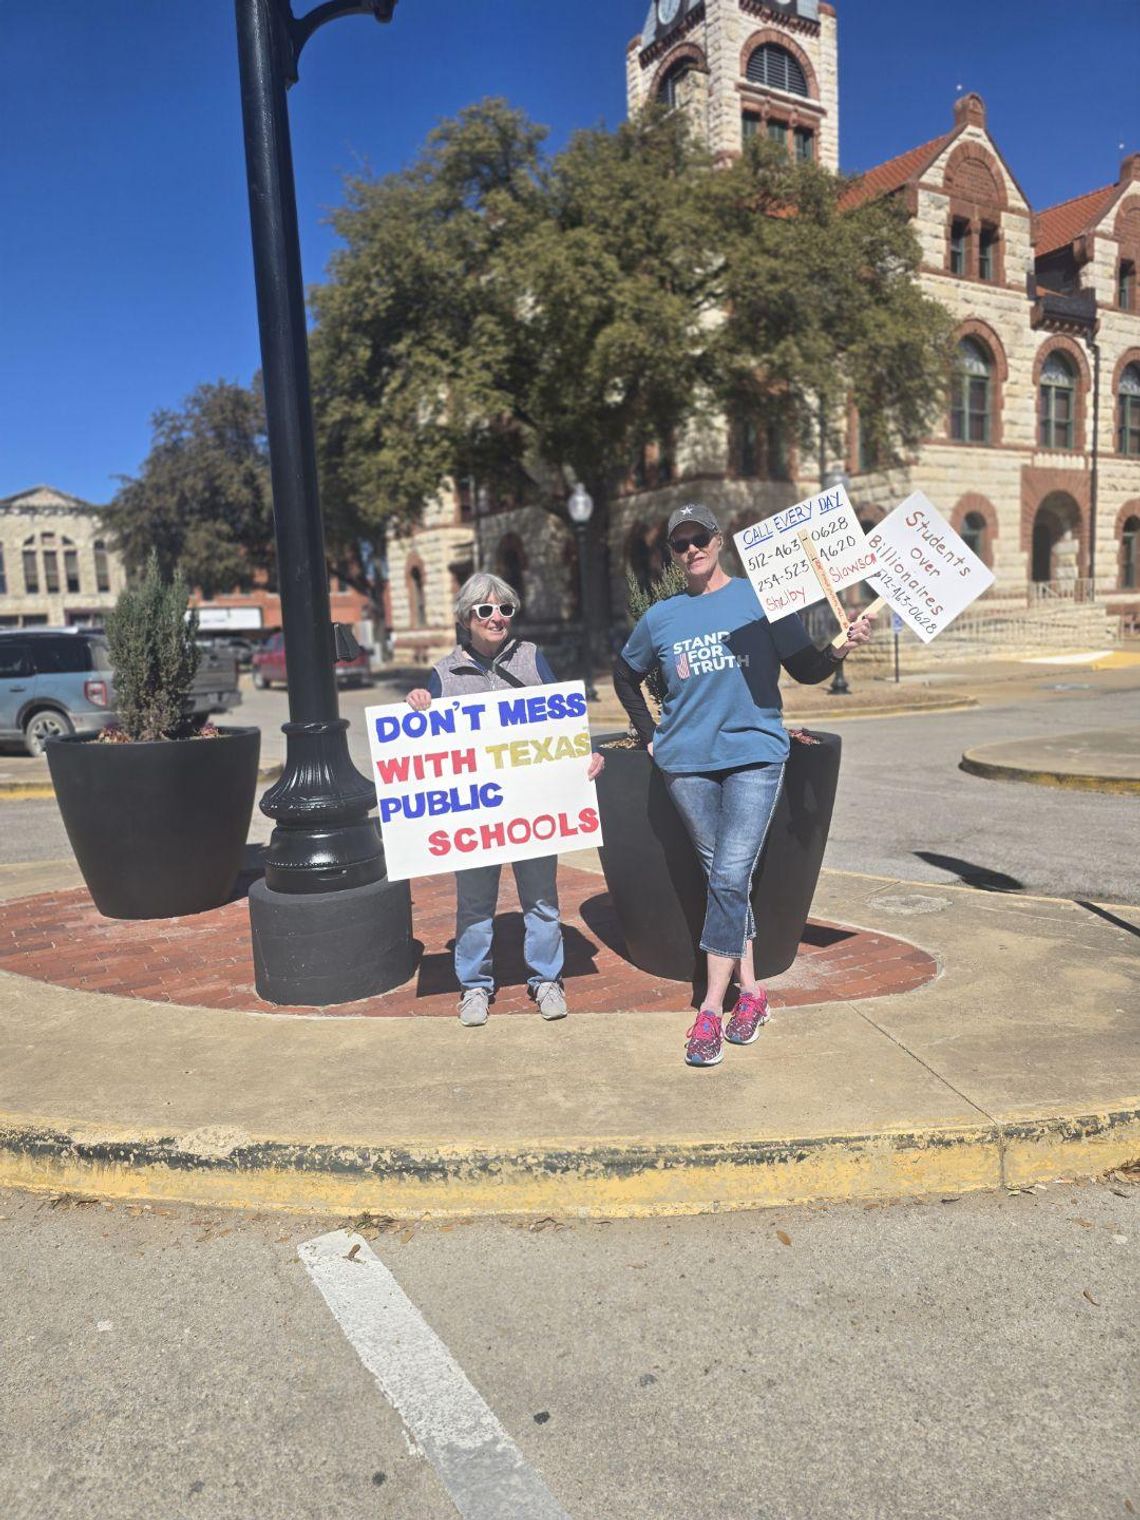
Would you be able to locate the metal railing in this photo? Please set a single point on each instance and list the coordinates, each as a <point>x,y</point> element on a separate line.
<point>1077,590</point>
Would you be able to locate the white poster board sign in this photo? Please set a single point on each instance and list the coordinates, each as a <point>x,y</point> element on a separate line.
<point>777,566</point>
<point>478,780</point>
<point>924,570</point>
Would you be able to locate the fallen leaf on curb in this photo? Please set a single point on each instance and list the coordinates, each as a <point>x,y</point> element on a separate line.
<point>352,1254</point>
<point>1129,1506</point>
<point>1121,1192</point>
<point>956,1199</point>
<point>1085,1224</point>
<point>547,1223</point>
<point>783,1237</point>
<point>1091,1299</point>
<point>406,1235</point>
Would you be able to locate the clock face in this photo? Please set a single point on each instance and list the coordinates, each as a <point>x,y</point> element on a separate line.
<point>667,11</point>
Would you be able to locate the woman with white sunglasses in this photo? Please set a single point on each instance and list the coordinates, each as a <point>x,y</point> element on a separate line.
<point>488,657</point>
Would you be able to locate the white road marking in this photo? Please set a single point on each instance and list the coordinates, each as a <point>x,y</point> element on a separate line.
<point>482,1469</point>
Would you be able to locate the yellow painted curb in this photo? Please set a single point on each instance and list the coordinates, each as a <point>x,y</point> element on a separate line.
<point>626,1180</point>
<point>1117,786</point>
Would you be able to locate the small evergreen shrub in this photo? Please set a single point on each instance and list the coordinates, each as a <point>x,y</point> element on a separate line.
<point>154,656</point>
<point>671,582</point>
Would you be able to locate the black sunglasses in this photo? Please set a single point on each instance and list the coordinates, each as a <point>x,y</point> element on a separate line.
<point>504,609</point>
<point>701,539</point>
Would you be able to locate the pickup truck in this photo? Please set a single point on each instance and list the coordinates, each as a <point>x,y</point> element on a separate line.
<point>269,666</point>
<point>57,681</point>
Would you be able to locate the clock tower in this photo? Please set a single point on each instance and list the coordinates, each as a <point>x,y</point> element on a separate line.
<point>743,68</point>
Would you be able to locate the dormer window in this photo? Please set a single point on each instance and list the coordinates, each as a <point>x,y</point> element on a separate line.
<point>1126,285</point>
<point>987,254</point>
<point>959,245</point>
<point>776,69</point>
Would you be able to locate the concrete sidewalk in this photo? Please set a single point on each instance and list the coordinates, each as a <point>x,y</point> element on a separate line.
<point>1019,1062</point>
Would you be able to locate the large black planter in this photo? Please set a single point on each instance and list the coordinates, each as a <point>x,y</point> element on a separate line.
<point>158,828</point>
<point>655,879</point>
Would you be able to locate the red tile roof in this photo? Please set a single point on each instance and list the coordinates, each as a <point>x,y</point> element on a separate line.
<point>1058,225</point>
<point>895,173</point>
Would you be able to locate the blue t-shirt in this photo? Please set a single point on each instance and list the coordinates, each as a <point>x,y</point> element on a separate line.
<point>721,661</point>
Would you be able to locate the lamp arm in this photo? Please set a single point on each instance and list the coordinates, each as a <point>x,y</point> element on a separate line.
<point>301,28</point>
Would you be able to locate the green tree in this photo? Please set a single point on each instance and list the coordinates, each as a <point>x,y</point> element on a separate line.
<point>822,306</point>
<point>526,320</point>
<point>202,499</point>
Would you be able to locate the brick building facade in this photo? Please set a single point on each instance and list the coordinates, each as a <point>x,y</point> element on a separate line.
<point>1047,326</point>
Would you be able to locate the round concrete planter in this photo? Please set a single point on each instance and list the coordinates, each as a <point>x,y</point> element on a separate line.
<point>655,879</point>
<point>158,828</point>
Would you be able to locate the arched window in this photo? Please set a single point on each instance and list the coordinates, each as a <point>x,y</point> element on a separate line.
<point>1055,403</point>
<point>1130,554</point>
<point>971,393</point>
<point>31,568</point>
<point>102,569</point>
<point>667,90</point>
<point>973,533</point>
<point>509,562</point>
<point>776,68</point>
<point>416,598</point>
<point>1128,424</point>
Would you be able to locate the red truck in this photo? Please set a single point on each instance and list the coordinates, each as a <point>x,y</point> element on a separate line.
<point>269,666</point>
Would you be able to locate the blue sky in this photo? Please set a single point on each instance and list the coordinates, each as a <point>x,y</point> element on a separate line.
<point>124,255</point>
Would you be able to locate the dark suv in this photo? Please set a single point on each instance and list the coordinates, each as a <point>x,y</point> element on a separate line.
<point>58,681</point>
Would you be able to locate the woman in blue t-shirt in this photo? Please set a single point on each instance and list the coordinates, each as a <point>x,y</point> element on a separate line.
<point>721,746</point>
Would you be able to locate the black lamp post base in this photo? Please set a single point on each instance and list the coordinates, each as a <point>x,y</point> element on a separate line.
<point>320,949</point>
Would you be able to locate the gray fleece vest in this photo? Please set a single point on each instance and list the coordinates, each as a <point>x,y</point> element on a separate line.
<point>516,664</point>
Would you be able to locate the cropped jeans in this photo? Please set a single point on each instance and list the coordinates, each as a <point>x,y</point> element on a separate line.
<point>727,814</point>
<point>476,895</point>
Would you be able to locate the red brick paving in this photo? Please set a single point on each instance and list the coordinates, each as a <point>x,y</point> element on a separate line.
<point>205,960</point>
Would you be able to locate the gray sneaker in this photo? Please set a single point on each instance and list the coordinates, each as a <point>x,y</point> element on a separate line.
<point>473,1006</point>
<point>550,1000</point>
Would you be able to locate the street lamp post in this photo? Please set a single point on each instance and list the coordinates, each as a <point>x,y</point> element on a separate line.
<point>327,926</point>
<point>581,509</point>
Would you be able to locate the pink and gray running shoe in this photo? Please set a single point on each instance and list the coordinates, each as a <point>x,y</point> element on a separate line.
<point>704,1048</point>
<point>749,1015</point>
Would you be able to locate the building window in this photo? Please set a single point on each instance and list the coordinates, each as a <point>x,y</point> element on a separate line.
<point>3,577</point>
<point>973,533</point>
<point>778,133</point>
<point>31,572</point>
<point>1128,426</point>
<point>416,598</point>
<point>51,572</point>
<point>1055,403</point>
<point>747,448</point>
<point>868,453</point>
<point>102,570</point>
<point>971,394</point>
<point>1130,554</point>
<point>667,90</point>
<point>71,569</point>
<point>987,254</point>
<point>1126,285</point>
<point>959,244</point>
<point>805,144</point>
<point>775,68</point>
<point>749,126</point>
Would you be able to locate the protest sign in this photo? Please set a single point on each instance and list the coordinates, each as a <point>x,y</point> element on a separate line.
<point>777,565</point>
<point>924,570</point>
<point>478,780</point>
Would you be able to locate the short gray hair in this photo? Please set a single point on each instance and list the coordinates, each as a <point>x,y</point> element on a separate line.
<point>481,587</point>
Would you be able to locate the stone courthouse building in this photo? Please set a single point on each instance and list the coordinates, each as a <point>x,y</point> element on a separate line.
<point>1037,459</point>
<point>57,566</point>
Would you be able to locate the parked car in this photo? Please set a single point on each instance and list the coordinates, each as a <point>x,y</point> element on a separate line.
<point>230,644</point>
<point>57,681</point>
<point>269,666</point>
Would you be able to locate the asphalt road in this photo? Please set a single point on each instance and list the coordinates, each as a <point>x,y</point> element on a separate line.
<point>904,808</point>
<point>942,1360</point>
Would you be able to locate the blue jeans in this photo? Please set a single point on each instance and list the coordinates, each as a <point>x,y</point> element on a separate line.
<point>727,814</point>
<point>476,895</point>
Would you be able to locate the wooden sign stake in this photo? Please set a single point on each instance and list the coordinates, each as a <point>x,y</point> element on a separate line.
<point>821,575</point>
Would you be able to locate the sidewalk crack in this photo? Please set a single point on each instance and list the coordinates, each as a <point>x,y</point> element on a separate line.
<point>999,1130</point>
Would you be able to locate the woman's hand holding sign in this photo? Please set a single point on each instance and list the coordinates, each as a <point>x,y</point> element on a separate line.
<point>420,699</point>
<point>858,633</point>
